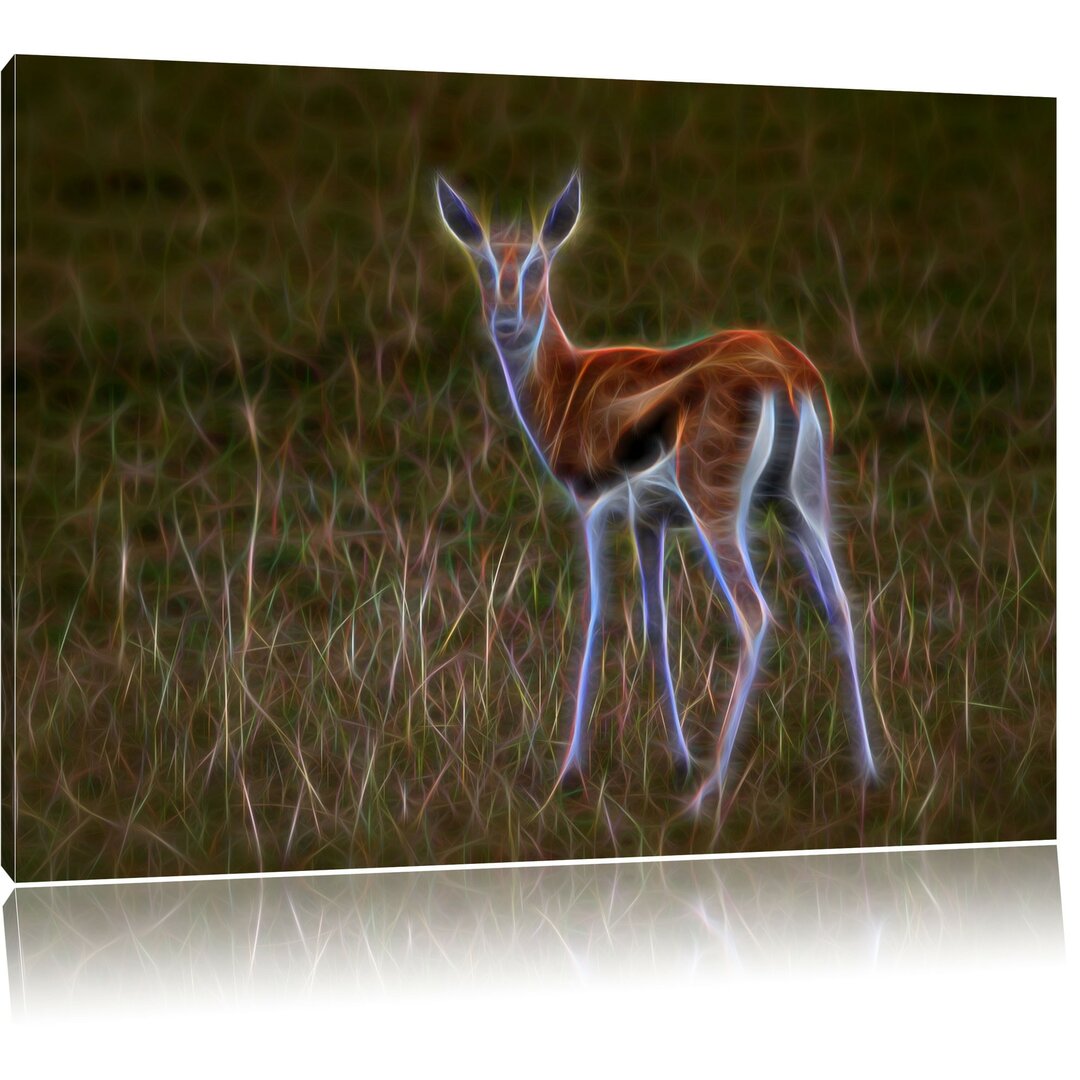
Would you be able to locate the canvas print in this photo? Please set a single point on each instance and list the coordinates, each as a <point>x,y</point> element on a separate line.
<point>410,468</point>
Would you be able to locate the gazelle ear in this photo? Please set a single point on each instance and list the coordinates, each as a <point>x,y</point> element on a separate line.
<point>563,215</point>
<point>457,217</point>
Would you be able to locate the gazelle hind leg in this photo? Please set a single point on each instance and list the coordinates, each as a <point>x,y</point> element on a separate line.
<point>809,491</point>
<point>734,571</point>
<point>752,618</point>
<point>649,540</point>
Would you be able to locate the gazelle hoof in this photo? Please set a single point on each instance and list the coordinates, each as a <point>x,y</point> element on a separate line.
<point>682,770</point>
<point>572,776</point>
<point>713,787</point>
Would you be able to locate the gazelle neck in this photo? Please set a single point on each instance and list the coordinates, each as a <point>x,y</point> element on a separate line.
<point>528,365</point>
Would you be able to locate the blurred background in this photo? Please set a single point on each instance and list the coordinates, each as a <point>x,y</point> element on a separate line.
<point>292,592</point>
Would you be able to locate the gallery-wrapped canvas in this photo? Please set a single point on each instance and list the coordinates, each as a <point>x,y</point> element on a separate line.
<point>404,469</point>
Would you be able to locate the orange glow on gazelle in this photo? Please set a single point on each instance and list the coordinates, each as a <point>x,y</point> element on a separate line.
<point>691,436</point>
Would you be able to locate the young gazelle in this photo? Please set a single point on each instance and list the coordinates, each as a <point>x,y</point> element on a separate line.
<point>692,436</point>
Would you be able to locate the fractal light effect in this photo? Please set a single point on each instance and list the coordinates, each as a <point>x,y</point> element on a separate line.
<point>686,436</point>
<point>406,469</point>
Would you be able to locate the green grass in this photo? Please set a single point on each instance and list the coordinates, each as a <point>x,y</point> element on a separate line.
<point>292,593</point>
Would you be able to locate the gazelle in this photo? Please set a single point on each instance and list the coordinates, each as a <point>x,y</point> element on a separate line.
<point>691,437</point>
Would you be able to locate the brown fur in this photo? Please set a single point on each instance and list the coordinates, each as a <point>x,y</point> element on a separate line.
<point>582,403</point>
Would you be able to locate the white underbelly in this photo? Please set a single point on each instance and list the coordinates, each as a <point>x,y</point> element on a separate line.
<point>652,492</point>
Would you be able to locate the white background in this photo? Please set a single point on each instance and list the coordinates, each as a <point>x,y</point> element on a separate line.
<point>1006,1019</point>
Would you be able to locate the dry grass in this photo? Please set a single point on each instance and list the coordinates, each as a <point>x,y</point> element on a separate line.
<point>292,593</point>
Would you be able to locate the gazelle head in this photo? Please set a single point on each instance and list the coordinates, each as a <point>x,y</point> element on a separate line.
<point>512,267</point>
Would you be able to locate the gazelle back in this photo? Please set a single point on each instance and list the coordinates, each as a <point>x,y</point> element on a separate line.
<point>691,437</point>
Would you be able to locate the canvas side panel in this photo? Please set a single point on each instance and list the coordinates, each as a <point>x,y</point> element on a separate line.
<point>7,434</point>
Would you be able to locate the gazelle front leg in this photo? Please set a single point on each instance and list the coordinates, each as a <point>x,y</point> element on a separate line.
<point>649,540</point>
<point>595,529</point>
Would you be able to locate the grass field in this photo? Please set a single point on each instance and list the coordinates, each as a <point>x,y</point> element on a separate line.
<point>289,590</point>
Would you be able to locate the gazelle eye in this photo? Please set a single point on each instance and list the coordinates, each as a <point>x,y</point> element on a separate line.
<point>534,275</point>
<point>487,276</point>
